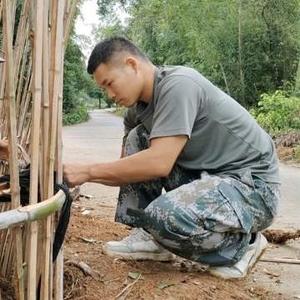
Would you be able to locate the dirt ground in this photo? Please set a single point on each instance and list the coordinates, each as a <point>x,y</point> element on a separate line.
<point>108,278</point>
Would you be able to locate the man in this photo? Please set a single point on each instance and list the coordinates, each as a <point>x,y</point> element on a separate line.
<point>218,168</point>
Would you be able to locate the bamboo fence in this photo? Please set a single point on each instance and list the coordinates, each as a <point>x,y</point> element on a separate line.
<point>33,35</point>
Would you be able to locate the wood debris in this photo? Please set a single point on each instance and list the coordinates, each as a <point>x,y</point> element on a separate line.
<point>278,236</point>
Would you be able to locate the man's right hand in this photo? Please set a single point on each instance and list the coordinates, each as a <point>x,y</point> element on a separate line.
<point>75,174</point>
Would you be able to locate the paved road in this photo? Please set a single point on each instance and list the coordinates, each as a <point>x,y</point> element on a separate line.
<point>99,139</point>
<point>289,208</point>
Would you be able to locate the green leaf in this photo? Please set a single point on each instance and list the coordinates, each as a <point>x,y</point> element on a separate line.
<point>134,275</point>
<point>164,285</point>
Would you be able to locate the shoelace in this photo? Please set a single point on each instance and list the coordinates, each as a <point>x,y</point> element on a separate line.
<point>137,234</point>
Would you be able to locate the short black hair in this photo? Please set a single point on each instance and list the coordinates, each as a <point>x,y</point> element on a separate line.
<point>104,51</point>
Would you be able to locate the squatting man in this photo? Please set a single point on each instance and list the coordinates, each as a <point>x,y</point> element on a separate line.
<point>184,136</point>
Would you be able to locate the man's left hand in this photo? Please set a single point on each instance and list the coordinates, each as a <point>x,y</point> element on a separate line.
<point>4,152</point>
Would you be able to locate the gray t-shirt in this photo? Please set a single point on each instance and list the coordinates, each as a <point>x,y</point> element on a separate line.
<point>223,137</point>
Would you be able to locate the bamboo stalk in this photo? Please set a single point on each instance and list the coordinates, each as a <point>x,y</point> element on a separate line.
<point>1,7</point>
<point>69,14</point>
<point>46,225</point>
<point>14,174</point>
<point>26,97</point>
<point>33,212</point>
<point>6,246</point>
<point>58,286</point>
<point>35,134</point>
<point>9,248</point>
<point>69,18</point>
<point>20,85</point>
<point>21,37</point>
<point>57,43</point>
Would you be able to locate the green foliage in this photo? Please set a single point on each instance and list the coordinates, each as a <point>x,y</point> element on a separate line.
<point>297,153</point>
<point>245,47</point>
<point>79,88</point>
<point>78,115</point>
<point>278,112</point>
<point>120,111</point>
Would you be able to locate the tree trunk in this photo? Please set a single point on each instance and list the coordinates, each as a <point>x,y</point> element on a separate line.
<point>242,81</point>
<point>297,83</point>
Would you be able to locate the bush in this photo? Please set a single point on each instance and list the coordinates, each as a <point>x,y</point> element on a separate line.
<point>297,153</point>
<point>277,112</point>
<point>78,115</point>
<point>120,111</point>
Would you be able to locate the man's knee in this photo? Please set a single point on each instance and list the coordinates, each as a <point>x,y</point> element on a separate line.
<point>137,140</point>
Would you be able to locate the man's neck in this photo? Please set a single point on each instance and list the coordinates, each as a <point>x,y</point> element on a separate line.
<point>149,75</point>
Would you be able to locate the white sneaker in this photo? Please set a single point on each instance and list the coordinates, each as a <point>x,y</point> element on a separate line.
<point>139,245</point>
<point>241,268</point>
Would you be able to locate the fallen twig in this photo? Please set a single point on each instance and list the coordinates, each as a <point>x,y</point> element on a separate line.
<point>281,260</point>
<point>86,269</point>
<point>128,288</point>
<point>270,273</point>
<point>90,241</point>
<point>278,236</point>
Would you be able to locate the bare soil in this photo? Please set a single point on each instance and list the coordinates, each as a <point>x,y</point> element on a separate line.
<point>116,279</point>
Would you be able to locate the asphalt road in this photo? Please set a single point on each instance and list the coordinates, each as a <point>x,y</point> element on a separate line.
<point>289,207</point>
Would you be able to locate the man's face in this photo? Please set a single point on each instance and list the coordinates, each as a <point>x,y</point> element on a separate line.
<point>122,81</point>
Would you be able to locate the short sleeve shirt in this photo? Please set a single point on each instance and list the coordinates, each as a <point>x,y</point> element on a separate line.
<point>223,138</point>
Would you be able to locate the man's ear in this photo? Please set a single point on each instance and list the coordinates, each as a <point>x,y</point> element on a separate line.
<point>132,62</point>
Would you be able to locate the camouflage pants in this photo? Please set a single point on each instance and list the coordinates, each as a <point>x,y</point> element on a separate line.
<point>201,217</point>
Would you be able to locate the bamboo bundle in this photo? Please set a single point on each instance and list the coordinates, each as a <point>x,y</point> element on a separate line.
<point>32,41</point>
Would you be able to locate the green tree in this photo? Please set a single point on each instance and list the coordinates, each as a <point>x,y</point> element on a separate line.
<point>245,47</point>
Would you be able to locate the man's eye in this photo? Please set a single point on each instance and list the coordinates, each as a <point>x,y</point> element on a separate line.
<point>110,83</point>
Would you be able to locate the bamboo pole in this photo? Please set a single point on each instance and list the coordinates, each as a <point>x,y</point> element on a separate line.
<point>26,97</point>
<point>57,42</point>
<point>69,14</point>
<point>58,283</point>
<point>46,225</point>
<point>33,212</point>
<point>1,7</point>
<point>35,134</point>
<point>56,77</point>
<point>21,37</point>
<point>20,82</point>
<point>14,174</point>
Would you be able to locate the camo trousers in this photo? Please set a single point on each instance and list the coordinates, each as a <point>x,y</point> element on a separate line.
<point>202,217</point>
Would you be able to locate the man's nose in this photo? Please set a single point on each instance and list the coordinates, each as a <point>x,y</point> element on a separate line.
<point>111,94</point>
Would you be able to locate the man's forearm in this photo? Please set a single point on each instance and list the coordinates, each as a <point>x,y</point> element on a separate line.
<point>138,167</point>
<point>155,162</point>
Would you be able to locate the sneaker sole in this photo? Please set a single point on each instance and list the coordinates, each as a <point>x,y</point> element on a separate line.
<point>253,261</point>
<point>263,247</point>
<point>140,255</point>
